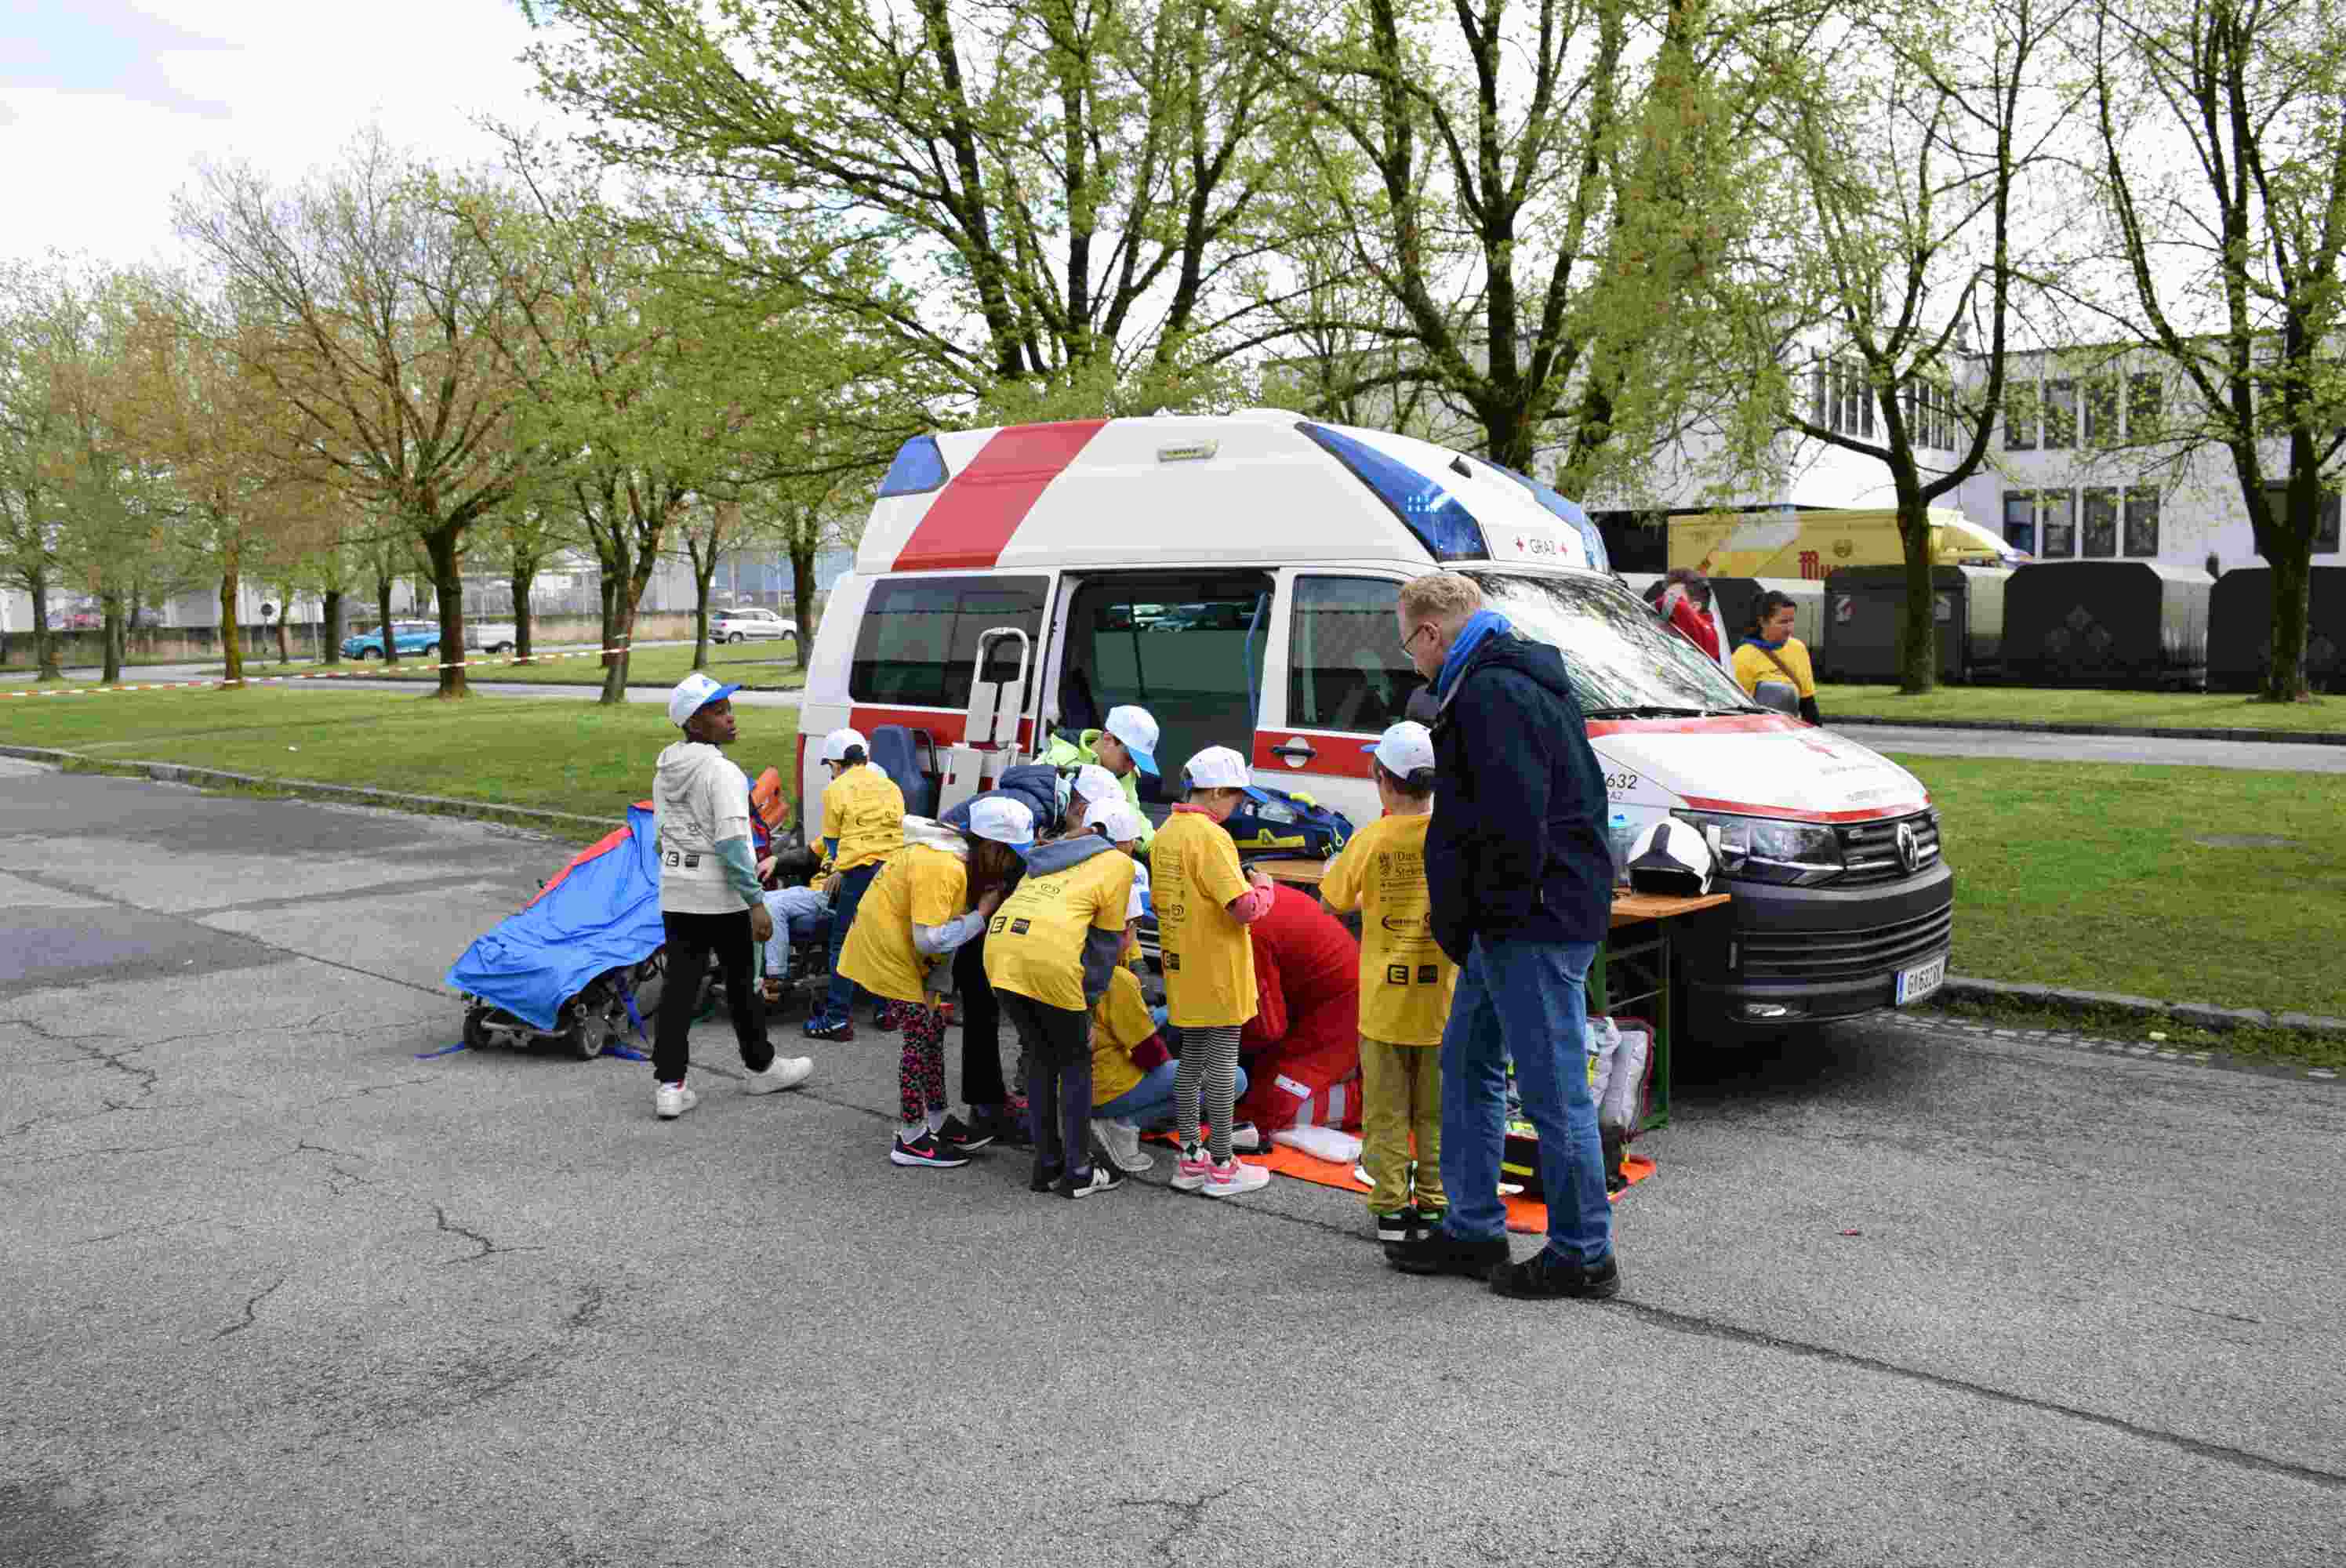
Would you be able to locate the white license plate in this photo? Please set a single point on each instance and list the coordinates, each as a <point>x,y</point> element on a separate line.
<point>1915,983</point>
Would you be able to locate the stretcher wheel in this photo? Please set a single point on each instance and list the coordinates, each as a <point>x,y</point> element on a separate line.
<point>588,1035</point>
<point>476,1027</point>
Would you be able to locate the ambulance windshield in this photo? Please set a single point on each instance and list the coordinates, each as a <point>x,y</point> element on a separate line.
<point>1622,661</point>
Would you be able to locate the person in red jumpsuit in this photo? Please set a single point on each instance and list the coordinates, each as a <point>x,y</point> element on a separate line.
<point>1303,1047</point>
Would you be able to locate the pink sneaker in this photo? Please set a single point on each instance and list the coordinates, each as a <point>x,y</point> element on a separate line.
<point>1194,1171</point>
<point>1236,1178</point>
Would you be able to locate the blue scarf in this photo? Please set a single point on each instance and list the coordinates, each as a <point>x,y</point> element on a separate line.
<point>1479,626</point>
<point>1776,646</point>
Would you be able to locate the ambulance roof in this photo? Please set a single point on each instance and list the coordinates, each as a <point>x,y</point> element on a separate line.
<point>1264,486</point>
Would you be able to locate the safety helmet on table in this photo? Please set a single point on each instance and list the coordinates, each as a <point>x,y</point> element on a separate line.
<point>1671,857</point>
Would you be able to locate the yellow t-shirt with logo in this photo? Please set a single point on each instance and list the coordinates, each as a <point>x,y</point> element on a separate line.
<point>864,810</point>
<point>1406,980</point>
<point>1034,945</point>
<point>1753,665</point>
<point>917,885</point>
<point>1120,1022</point>
<point>1193,875</point>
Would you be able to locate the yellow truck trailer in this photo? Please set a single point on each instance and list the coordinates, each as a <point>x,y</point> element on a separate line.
<point>1814,544</point>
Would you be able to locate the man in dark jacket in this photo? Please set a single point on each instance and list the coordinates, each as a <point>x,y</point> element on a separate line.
<point>1520,882</point>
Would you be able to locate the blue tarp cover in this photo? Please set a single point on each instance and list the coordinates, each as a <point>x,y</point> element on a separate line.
<point>600,911</point>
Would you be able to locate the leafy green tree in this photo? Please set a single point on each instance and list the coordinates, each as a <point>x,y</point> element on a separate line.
<point>2221,170</point>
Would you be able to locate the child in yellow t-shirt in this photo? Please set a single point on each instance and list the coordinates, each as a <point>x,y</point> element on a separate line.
<point>863,825</point>
<point>1204,904</point>
<point>1406,982</point>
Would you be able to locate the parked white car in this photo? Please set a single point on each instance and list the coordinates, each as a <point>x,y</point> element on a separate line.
<point>490,636</point>
<point>747,622</point>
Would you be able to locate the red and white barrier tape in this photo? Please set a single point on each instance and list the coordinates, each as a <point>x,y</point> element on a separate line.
<point>365,672</point>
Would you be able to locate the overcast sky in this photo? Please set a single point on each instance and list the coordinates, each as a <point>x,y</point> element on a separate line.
<point>104,103</point>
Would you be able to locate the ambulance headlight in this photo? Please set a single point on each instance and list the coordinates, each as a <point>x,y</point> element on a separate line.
<point>1768,848</point>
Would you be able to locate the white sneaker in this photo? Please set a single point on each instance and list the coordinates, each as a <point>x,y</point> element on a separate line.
<point>1236,1178</point>
<point>1122,1141</point>
<point>670,1101</point>
<point>1245,1138</point>
<point>782,1073</point>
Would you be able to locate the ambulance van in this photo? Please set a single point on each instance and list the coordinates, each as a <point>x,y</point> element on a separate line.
<point>1237,576</point>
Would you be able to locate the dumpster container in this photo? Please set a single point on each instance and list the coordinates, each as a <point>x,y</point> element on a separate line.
<point>2239,629</point>
<point>1865,609</point>
<point>2126,624</point>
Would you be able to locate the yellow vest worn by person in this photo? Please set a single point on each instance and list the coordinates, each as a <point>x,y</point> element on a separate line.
<point>864,811</point>
<point>1034,945</point>
<point>917,885</point>
<point>1193,875</point>
<point>1406,980</point>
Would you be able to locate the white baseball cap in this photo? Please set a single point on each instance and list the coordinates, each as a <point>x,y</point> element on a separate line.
<point>835,744</point>
<point>693,693</point>
<point>1003,820</point>
<point>1137,905</point>
<point>1404,749</point>
<point>1116,819</point>
<point>1137,731</point>
<point>1095,783</point>
<point>1219,768</point>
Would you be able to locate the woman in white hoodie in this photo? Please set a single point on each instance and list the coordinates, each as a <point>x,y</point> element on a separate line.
<point>710,902</point>
<point>900,949</point>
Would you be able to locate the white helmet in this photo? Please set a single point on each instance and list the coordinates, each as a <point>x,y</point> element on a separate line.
<point>1671,857</point>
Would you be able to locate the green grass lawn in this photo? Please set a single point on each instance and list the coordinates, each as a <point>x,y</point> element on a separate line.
<point>2091,875</point>
<point>2116,709</point>
<point>765,667</point>
<point>577,757</point>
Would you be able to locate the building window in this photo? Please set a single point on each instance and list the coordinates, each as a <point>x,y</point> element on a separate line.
<point>2100,534</point>
<point>2057,521</point>
<point>2142,521</point>
<point>2143,392</point>
<point>1930,416</point>
<point>2101,412</point>
<point>2019,417</point>
<point>2325,518</point>
<point>1839,400</point>
<point>1819,397</point>
<point>2019,520</point>
<point>2060,414</point>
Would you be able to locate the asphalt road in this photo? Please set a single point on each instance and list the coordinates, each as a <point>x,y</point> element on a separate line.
<point>279,1291</point>
<point>2258,756</point>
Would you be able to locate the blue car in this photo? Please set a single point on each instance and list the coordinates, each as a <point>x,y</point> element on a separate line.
<point>411,637</point>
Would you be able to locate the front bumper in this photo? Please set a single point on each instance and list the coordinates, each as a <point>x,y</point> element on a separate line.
<point>1778,957</point>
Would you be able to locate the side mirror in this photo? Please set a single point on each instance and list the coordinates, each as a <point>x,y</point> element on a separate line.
<point>1779,696</point>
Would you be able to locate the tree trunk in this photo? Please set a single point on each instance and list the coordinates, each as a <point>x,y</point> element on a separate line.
<point>802,597</point>
<point>2292,615</point>
<point>448,588</point>
<point>44,641</point>
<point>524,574</point>
<point>383,605</point>
<point>615,665</point>
<point>330,632</point>
<point>701,579</point>
<point>232,646</point>
<point>1918,639</point>
<point>112,636</point>
<point>284,613</point>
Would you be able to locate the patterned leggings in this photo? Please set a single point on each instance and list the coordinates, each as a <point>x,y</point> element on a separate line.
<point>921,1075</point>
<point>1210,1062</point>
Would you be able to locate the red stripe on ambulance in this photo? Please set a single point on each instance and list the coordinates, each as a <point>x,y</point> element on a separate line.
<point>981,507</point>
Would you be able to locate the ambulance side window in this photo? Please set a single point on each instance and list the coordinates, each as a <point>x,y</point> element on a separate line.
<point>1345,669</point>
<point>919,635</point>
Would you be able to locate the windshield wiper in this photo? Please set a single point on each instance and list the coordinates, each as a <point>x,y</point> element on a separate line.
<point>1646,710</point>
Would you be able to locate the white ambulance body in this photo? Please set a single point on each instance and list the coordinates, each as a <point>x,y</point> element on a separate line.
<point>1237,577</point>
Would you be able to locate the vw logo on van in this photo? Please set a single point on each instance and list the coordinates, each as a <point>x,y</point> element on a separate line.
<point>1909,853</point>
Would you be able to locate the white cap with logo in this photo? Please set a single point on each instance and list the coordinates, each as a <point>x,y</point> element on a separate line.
<point>1003,820</point>
<point>1219,768</point>
<point>1117,819</point>
<point>1137,905</point>
<point>1095,783</point>
<point>693,693</point>
<point>1137,731</point>
<point>1404,749</point>
<point>835,744</point>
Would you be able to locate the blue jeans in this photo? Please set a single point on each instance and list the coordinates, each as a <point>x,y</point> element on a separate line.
<point>799,914</point>
<point>1150,1101</point>
<point>841,1002</point>
<point>1528,1000</point>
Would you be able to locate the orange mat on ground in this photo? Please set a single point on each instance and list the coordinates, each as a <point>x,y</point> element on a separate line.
<point>1525,1217</point>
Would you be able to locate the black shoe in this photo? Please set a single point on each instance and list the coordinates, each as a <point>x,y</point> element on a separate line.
<point>1101,1177</point>
<point>1546,1278</point>
<point>1439,1252</point>
<point>925,1150</point>
<point>1402,1225</point>
<point>961,1137</point>
<point>821,1028</point>
<point>1044,1179</point>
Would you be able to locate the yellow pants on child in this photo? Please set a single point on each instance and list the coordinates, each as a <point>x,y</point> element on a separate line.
<point>1401,1094</point>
